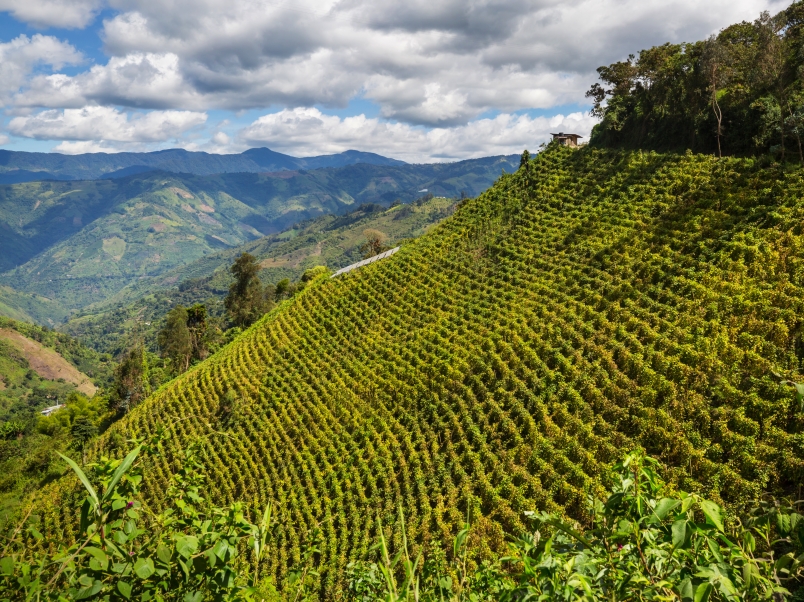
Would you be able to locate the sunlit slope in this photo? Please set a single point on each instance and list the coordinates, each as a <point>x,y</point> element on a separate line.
<point>590,304</point>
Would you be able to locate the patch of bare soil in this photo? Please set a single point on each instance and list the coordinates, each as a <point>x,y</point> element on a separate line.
<point>47,363</point>
<point>182,193</point>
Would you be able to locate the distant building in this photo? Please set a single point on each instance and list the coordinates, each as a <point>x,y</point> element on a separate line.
<point>52,409</point>
<point>566,139</point>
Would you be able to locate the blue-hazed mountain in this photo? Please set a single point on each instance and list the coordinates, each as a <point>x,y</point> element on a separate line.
<point>67,245</point>
<point>17,167</point>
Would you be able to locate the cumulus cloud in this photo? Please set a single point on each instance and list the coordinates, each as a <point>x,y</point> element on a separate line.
<point>437,64</point>
<point>104,125</point>
<point>20,56</point>
<point>53,13</point>
<point>429,62</point>
<point>308,131</point>
<point>3,139</point>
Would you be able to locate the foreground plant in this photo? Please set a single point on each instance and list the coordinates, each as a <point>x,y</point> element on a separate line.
<point>646,547</point>
<point>644,544</point>
<point>191,551</point>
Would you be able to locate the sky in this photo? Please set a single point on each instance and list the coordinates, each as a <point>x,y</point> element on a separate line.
<point>417,80</point>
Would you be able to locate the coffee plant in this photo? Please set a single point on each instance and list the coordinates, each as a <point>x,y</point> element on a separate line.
<point>590,303</point>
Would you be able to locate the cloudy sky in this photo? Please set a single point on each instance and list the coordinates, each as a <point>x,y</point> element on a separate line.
<point>418,80</point>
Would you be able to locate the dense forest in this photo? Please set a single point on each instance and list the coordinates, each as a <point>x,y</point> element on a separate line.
<point>739,92</point>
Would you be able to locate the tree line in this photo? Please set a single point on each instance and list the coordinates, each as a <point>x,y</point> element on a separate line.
<point>739,92</point>
<point>190,334</point>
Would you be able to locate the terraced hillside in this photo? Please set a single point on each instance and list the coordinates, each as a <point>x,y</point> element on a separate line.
<point>591,303</point>
<point>138,311</point>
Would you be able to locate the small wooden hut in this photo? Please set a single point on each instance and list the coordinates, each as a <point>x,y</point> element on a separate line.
<point>566,139</point>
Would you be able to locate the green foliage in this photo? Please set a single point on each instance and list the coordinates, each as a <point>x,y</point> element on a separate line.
<point>246,301</point>
<point>738,93</point>
<point>189,551</point>
<point>175,340</point>
<point>644,543</point>
<point>595,302</point>
<point>132,383</point>
<point>11,429</point>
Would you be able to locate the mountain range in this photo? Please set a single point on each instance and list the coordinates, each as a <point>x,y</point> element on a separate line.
<point>17,167</point>
<point>66,245</point>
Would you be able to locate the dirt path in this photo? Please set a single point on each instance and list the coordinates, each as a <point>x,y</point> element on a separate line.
<point>47,363</point>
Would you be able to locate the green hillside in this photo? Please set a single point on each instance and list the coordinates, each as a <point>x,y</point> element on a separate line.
<point>138,311</point>
<point>79,243</point>
<point>40,368</point>
<point>591,303</point>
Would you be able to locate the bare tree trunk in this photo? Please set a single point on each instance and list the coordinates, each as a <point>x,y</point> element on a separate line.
<point>798,136</point>
<point>781,115</point>
<point>719,116</point>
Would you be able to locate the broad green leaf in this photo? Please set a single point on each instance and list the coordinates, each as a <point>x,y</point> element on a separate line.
<point>703,592</point>
<point>686,590</point>
<point>665,507</point>
<point>680,533</point>
<point>750,542</point>
<point>715,548</point>
<point>125,589</point>
<point>713,513</point>
<point>163,553</point>
<point>187,546</point>
<point>7,565</point>
<point>193,596</point>
<point>99,556</point>
<point>144,568</point>
<point>89,591</point>
<point>687,503</point>
<point>84,481</point>
<point>220,549</point>
<point>121,470</point>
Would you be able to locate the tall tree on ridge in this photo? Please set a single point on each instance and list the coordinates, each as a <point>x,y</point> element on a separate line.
<point>245,302</point>
<point>175,340</point>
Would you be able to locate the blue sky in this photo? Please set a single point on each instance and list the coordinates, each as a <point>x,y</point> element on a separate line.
<point>420,80</point>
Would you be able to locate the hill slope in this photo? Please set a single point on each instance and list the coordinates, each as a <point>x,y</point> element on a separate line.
<point>589,304</point>
<point>81,242</point>
<point>138,311</point>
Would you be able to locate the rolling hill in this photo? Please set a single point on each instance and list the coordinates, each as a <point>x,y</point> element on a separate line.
<point>138,311</point>
<point>592,302</point>
<point>78,243</point>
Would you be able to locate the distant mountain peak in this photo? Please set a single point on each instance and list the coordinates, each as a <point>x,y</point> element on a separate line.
<point>17,167</point>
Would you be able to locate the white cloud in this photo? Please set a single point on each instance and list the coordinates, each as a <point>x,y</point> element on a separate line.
<point>3,139</point>
<point>105,125</point>
<point>85,146</point>
<point>430,62</point>
<point>20,56</point>
<point>440,64</point>
<point>304,132</point>
<point>53,13</point>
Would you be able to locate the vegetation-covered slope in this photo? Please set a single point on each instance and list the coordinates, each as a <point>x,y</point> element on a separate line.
<point>79,243</point>
<point>586,305</point>
<point>138,311</point>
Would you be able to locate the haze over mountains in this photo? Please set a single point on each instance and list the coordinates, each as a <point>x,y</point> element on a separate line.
<point>17,167</point>
<point>69,244</point>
